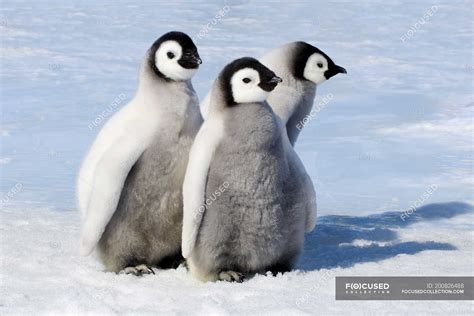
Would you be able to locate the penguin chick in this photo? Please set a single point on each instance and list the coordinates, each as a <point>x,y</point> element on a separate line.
<point>302,67</point>
<point>129,186</point>
<point>257,223</point>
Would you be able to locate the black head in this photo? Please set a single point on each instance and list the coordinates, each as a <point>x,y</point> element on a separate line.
<point>310,63</point>
<point>246,80</point>
<point>174,57</point>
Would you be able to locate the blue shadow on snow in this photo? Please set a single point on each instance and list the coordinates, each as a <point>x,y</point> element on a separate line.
<point>329,245</point>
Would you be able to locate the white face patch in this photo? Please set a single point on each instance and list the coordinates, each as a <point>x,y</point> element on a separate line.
<point>166,60</point>
<point>315,67</point>
<point>245,87</point>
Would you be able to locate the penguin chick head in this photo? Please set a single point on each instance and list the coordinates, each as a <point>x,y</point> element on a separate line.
<point>314,65</point>
<point>246,80</point>
<point>174,57</point>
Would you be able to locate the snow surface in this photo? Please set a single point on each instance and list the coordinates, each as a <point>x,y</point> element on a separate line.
<point>400,122</point>
<point>41,271</point>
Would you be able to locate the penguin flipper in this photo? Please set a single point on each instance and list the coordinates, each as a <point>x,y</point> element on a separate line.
<point>110,174</point>
<point>107,136</point>
<point>195,180</point>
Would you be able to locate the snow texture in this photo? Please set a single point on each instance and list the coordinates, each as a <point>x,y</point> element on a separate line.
<point>42,273</point>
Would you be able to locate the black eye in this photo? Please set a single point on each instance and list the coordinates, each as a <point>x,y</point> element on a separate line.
<point>246,80</point>
<point>320,65</point>
<point>170,55</point>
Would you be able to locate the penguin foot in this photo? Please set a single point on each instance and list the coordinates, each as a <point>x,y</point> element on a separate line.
<point>138,270</point>
<point>279,268</point>
<point>171,262</point>
<point>231,276</point>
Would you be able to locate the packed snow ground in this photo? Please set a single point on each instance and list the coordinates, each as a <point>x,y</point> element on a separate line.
<point>41,271</point>
<point>400,122</point>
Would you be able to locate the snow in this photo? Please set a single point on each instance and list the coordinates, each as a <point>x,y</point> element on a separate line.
<point>41,271</point>
<point>399,122</point>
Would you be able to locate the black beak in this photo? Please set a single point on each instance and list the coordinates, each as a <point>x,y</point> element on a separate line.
<point>190,61</point>
<point>341,70</point>
<point>270,84</point>
<point>334,70</point>
<point>275,79</point>
<point>198,60</point>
